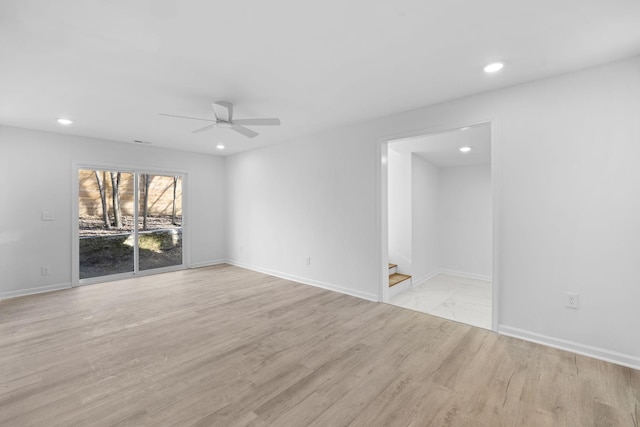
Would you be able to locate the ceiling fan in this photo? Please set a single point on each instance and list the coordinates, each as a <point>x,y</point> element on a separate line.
<point>223,111</point>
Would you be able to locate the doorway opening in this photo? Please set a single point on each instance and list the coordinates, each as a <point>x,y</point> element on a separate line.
<point>128,222</point>
<point>440,225</point>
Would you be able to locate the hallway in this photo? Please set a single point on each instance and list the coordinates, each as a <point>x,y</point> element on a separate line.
<point>451,297</point>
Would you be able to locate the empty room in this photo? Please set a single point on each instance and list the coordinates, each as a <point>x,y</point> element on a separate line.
<point>201,202</point>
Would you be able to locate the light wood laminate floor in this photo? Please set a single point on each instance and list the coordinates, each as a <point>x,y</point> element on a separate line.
<point>224,346</point>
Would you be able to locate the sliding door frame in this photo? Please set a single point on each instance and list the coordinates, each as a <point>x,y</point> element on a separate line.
<point>136,170</point>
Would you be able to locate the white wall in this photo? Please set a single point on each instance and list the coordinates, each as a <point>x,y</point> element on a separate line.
<point>314,198</point>
<point>567,149</point>
<point>400,227</point>
<point>36,170</point>
<point>464,239</point>
<point>439,217</point>
<point>425,201</point>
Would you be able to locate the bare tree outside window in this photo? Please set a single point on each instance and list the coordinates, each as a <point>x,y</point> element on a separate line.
<point>103,198</point>
<point>145,203</point>
<point>173,205</point>
<point>115,191</point>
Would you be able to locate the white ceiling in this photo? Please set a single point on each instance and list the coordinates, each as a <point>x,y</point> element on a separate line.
<point>113,66</point>
<point>443,149</point>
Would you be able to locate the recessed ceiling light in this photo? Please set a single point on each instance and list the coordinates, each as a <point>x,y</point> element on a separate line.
<point>220,147</point>
<point>65,122</point>
<point>492,68</point>
<point>465,149</point>
<point>464,128</point>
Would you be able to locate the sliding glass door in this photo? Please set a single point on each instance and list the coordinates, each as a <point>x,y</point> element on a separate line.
<point>128,222</point>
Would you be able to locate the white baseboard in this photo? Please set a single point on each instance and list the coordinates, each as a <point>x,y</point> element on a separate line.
<point>585,350</point>
<point>420,281</point>
<point>306,281</point>
<point>207,263</point>
<point>465,274</point>
<point>50,288</point>
<point>32,291</point>
<point>434,273</point>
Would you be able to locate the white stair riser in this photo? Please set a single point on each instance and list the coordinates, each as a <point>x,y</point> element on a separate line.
<point>403,286</point>
<point>393,270</point>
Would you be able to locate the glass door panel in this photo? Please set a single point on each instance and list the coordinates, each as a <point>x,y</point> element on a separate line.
<point>106,231</point>
<point>159,221</point>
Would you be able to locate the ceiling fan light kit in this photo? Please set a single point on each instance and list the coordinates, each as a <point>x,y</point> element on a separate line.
<point>223,112</point>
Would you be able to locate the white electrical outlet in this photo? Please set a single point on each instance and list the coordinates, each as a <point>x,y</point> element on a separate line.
<point>308,260</point>
<point>44,270</point>
<point>571,300</point>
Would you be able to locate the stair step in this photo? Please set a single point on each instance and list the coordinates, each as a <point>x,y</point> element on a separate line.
<point>392,268</point>
<point>396,278</point>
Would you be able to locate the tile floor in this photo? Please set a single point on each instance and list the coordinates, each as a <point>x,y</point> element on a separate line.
<point>452,297</point>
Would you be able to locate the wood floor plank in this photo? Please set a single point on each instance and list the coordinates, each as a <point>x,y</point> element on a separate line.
<point>224,346</point>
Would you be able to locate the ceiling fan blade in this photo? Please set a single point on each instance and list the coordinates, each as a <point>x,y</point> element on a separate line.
<point>185,117</point>
<point>223,110</point>
<point>257,122</point>
<point>207,127</point>
<point>245,131</point>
